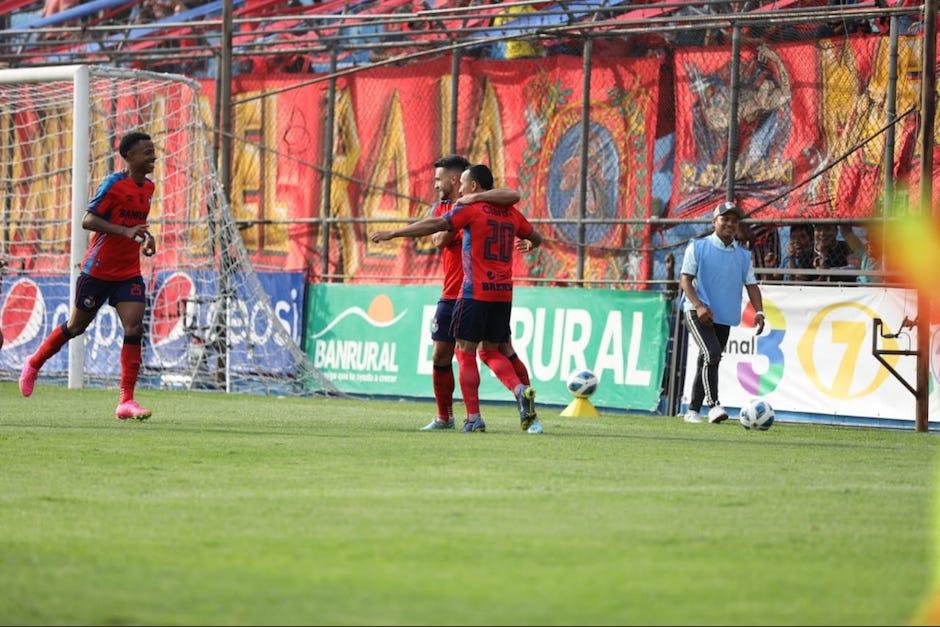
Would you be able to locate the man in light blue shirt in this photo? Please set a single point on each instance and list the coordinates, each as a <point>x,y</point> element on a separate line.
<point>714,271</point>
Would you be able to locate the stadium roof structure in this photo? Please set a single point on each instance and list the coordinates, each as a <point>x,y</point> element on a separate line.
<point>349,29</point>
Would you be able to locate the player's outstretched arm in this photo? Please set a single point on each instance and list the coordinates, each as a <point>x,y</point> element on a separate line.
<point>418,229</point>
<point>91,222</point>
<point>502,196</point>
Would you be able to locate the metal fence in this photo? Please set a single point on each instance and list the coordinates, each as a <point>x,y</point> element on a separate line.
<point>620,126</point>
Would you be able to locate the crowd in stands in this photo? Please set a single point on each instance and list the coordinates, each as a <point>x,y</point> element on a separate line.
<point>814,247</point>
<point>528,18</point>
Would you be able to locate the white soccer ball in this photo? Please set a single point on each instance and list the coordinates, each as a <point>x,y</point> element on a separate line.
<point>582,383</point>
<point>757,414</point>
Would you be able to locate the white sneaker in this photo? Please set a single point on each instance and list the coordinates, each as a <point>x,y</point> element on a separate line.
<point>717,414</point>
<point>693,416</point>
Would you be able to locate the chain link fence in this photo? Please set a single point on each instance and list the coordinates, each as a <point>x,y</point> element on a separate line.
<point>616,124</point>
<point>807,151</point>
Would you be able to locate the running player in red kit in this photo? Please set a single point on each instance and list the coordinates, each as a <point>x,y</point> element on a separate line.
<point>111,270</point>
<point>483,312</point>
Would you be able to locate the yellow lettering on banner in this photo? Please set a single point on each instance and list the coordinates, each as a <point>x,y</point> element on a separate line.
<point>853,111</point>
<point>391,172</point>
<point>851,333</point>
<point>46,195</point>
<point>254,175</point>
<point>104,157</point>
<point>19,156</point>
<point>487,146</point>
<point>447,107</point>
<point>346,153</point>
<point>157,130</point>
<point>194,210</point>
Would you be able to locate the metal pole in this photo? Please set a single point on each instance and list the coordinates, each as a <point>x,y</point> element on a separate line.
<point>81,120</point>
<point>733,112</point>
<point>676,361</point>
<point>454,95</point>
<point>888,202</point>
<point>327,204</point>
<point>217,111</point>
<point>928,109</point>
<point>225,173</point>
<point>585,137</point>
<point>225,102</point>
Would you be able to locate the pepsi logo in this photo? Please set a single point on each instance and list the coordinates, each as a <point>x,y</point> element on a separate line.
<point>173,298</point>
<point>23,313</point>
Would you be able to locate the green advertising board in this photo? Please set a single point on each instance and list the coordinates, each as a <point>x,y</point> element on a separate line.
<point>376,339</point>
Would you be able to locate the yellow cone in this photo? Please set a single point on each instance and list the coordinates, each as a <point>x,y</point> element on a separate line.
<point>580,408</point>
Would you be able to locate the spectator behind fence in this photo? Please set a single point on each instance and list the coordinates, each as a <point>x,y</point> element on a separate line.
<point>869,253</point>
<point>830,251</point>
<point>764,243</point>
<point>800,253</point>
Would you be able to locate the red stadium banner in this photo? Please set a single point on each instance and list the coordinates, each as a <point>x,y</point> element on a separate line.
<point>275,175</point>
<point>803,107</point>
<point>777,112</point>
<point>521,118</point>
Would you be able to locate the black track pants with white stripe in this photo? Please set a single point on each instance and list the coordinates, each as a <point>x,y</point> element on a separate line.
<point>711,340</point>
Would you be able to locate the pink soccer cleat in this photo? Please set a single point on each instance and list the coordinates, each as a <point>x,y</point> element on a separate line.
<point>28,378</point>
<point>130,409</point>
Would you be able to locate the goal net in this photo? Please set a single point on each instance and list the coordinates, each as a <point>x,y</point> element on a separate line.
<point>212,322</point>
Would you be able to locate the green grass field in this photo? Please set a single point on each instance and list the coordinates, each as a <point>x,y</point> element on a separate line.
<point>225,510</point>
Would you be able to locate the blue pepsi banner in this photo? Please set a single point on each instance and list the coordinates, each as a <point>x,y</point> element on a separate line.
<point>184,315</point>
<point>30,307</point>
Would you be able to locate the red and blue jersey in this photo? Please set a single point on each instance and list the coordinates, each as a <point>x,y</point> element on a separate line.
<point>119,200</point>
<point>489,235</point>
<point>450,258</point>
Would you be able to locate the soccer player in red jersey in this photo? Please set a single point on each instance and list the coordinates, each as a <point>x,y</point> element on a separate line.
<point>447,171</point>
<point>111,269</point>
<point>483,312</point>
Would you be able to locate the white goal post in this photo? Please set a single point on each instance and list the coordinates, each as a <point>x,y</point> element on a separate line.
<point>210,321</point>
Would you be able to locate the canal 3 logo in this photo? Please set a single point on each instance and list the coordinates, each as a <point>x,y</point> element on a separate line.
<point>766,345</point>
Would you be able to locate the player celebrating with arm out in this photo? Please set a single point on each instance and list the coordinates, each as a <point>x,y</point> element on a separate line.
<point>447,171</point>
<point>111,269</point>
<point>483,312</point>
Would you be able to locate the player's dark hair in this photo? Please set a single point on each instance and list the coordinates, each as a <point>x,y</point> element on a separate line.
<point>482,175</point>
<point>130,140</point>
<point>452,162</point>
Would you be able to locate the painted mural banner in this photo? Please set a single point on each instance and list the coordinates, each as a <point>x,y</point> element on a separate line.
<point>522,119</point>
<point>815,354</point>
<point>376,339</point>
